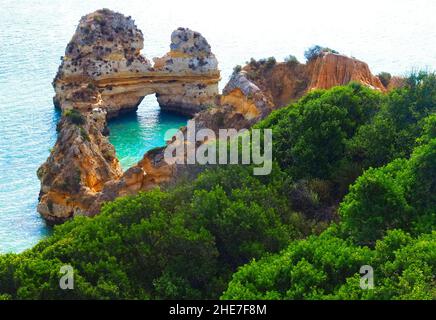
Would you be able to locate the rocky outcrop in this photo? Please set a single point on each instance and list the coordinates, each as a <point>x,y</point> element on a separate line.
<point>282,83</point>
<point>80,163</point>
<point>330,69</point>
<point>103,67</point>
<point>246,98</point>
<point>196,86</point>
<point>102,75</point>
<point>150,172</point>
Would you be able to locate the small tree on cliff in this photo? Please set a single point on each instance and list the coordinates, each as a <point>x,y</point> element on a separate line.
<point>316,51</point>
<point>385,78</point>
<point>291,60</point>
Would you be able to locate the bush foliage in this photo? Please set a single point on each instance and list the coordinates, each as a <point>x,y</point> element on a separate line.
<point>363,161</point>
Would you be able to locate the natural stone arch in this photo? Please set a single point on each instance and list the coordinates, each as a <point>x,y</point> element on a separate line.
<point>103,67</point>
<point>102,75</point>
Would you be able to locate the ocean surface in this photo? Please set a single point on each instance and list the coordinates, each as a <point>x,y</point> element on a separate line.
<point>134,134</point>
<point>394,35</point>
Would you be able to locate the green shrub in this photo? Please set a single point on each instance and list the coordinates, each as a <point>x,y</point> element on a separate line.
<point>266,63</point>
<point>237,69</point>
<point>404,269</point>
<point>316,51</point>
<point>327,267</point>
<point>399,195</point>
<point>420,176</point>
<point>310,137</point>
<point>74,117</point>
<point>394,130</point>
<point>291,60</point>
<point>376,203</point>
<point>429,130</point>
<point>385,78</point>
<point>270,62</point>
<point>307,269</point>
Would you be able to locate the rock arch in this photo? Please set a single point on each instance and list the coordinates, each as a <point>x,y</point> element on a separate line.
<point>103,67</point>
<point>102,75</point>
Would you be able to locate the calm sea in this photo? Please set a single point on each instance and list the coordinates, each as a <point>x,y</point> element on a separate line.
<point>396,36</point>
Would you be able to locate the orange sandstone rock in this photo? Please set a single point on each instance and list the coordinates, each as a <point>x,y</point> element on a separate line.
<point>331,70</point>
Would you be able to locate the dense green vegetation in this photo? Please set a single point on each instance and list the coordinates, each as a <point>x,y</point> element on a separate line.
<point>180,244</point>
<point>390,209</point>
<point>353,183</point>
<point>311,137</point>
<point>327,267</point>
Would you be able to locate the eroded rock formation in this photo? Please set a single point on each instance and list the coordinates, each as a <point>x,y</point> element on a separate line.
<point>284,82</point>
<point>81,162</point>
<point>332,69</point>
<point>246,97</point>
<point>103,67</point>
<point>104,74</point>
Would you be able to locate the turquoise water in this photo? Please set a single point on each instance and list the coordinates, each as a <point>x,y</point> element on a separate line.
<point>390,35</point>
<point>136,133</point>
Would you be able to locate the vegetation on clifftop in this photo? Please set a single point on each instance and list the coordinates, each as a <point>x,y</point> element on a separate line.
<point>316,51</point>
<point>353,184</point>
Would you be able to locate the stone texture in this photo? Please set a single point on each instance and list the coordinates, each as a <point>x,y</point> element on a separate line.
<point>80,163</point>
<point>103,67</point>
<point>331,70</point>
<point>283,83</point>
<point>102,75</point>
<point>246,97</point>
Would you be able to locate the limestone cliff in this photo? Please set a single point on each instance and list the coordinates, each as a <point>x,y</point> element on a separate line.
<point>246,98</point>
<point>103,67</point>
<point>331,69</point>
<point>102,75</point>
<point>282,83</point>
<point>195,85</point>
<point>80,163</point>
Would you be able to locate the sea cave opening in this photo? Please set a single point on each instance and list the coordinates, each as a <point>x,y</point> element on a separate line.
<point>133,134</point>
